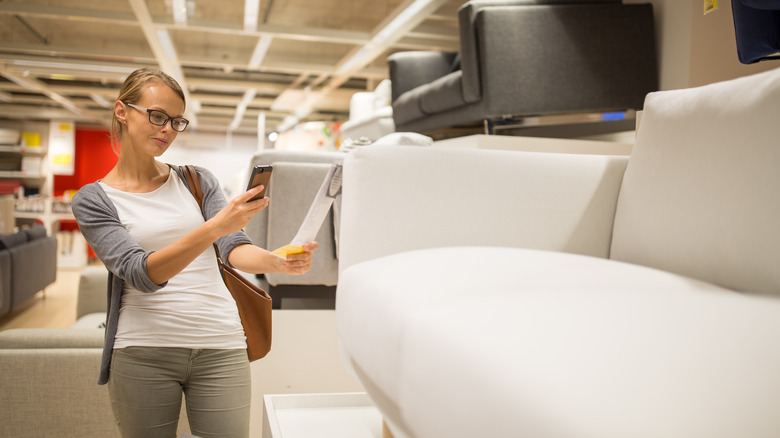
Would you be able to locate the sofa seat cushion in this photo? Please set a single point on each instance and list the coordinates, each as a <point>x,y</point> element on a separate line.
<point>479,341</point>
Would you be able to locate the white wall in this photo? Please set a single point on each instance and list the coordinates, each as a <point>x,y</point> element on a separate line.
<point>673,36</point>
<point>696,49</point>
<point>714,47</point>
<point>228,157</point>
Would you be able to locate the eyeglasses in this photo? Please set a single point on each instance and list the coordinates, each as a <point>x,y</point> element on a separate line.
<point>159,118</point>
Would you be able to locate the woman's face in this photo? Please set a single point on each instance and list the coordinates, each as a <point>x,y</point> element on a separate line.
<point>144,137</point>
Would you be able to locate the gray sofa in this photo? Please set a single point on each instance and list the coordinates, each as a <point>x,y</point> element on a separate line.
<point>28,263</point>
<point>49,376</point>
<point>294,182</point>
<point>521,58</point>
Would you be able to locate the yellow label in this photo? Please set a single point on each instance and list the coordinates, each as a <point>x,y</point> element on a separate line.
<point>710,5</point>
<point>66,126</point>
<point>61,159</point>
<point>31,139</point>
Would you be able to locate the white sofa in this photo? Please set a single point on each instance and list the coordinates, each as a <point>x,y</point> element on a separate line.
<point>508,294</point>
<point>370,114</point>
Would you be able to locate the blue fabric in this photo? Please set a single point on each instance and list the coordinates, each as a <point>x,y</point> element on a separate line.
<point>757,28</point>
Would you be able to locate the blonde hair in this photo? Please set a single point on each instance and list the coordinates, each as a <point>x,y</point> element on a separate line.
<point>133,88</point>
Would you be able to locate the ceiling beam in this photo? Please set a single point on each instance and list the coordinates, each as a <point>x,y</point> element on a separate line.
<point>300,33</point>
<point>37,86</point>
<point>160,42</point>
<point>407,16</point>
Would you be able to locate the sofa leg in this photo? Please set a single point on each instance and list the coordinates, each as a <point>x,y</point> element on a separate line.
<point>386,431</point>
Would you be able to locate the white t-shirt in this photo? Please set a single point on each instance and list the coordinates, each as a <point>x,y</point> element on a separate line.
<point>195,309</point>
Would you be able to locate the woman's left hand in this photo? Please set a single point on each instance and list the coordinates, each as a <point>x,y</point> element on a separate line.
<point>297,264</point>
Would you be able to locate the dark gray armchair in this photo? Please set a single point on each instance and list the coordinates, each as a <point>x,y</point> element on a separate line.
<point>529,58</point>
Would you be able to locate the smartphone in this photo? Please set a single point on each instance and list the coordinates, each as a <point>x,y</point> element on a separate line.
<point>261,174</point>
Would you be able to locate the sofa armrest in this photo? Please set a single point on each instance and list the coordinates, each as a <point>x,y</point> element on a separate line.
<point>93,291</point>
<point>35,338</point>
<point>408,70</point>
<point>398,198</point>
<point>48,392</point>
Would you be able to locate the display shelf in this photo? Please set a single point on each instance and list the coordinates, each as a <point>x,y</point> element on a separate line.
<point>18,174</point>
<point>24,150</point>
<point>47,216</point>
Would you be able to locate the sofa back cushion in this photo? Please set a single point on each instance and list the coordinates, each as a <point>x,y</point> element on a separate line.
<point>8,241</point>
<point>35,232</point>
<point>701,193</point>
<point>469,55</point>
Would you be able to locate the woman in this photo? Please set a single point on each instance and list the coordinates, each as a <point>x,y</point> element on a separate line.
<point>172,325</point>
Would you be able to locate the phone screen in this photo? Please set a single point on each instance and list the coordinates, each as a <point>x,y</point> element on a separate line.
<point>261,174</point>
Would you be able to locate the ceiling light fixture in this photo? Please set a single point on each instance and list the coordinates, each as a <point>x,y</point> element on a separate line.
<point>179,11</point>
<point>260,51</point>
<point>100,100</point>
<point>165,41</point>
<point>72,66</point>
<point>249,95</point>
<point>251,12</point>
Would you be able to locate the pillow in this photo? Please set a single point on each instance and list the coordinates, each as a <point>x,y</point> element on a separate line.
<point>404,139</point>
<point>700,194</point>
<point>36,232</point>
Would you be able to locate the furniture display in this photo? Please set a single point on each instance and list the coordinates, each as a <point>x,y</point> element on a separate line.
<point>25,171</point>
<point>49,376</point>
<point>370,115</point>
<point>566,295</point>
<point>524,58</point>
<point>295,180</point>
<point>28,263</point>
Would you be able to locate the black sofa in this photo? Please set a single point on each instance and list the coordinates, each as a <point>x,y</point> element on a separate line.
<point>28,263</point>
<point>521,58</point>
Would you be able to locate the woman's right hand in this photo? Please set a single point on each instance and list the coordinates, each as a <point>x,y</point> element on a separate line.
<point>238,211</point>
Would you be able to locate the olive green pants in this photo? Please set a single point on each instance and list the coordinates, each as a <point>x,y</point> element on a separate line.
<point>146,385</point>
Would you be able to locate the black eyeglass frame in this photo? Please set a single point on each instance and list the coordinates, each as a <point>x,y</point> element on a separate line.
<point>174,120</point>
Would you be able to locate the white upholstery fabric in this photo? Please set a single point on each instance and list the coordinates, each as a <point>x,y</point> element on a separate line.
<point>500,342</point>
<point>426,197</point>
<point>701,194</point>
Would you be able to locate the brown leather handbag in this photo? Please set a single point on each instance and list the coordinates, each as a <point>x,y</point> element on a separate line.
<point>254,304</point>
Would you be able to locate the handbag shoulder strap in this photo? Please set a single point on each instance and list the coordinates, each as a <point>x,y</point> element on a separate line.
<point>193,181</point>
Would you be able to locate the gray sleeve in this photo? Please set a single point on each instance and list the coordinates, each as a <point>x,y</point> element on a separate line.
<point>213,202</point>
<point>99,223</point>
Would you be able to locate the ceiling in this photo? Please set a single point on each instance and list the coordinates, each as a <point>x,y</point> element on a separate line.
<point>288,61</point>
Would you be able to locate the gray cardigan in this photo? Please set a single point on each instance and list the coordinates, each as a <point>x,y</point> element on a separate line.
<point>125,260</point>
